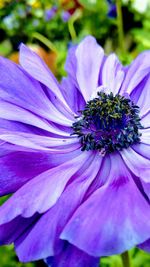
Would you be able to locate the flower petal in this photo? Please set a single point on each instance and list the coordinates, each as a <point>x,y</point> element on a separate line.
<point>145,246</point>
<point>71,256</point>
<point>54,220</point>
<point>142,149</point>
<point>145,136</point>
<point>42,192</point>
<point>143,101</point>
<point>18,114</point>
<point>26,93</point>
<point>111,220</point>
<point>12,230</point>
<point>112,74</point>
<point>71,65</point>
<point>89,56</point>
<point>145,120</point>
<point>138,164</point>
<point>136,72</point>
<point>39,142</point>
<point>72,94</point>
<point>36,67</point>
<point>19,167</point>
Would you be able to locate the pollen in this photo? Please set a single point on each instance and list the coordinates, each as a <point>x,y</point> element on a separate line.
<point>108,123</point>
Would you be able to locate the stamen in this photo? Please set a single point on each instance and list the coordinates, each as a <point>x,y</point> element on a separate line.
<point>108,123</point>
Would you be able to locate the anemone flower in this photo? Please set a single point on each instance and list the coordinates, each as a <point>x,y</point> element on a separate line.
<point>75,156</point>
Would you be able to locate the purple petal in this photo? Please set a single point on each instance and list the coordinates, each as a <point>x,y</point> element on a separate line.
<point>89,56</point>
<point>42,192</point>
<point>112,10</point>
<point>143,101</point>
<point>18,114</point>
<point>65,15</point>
<point>39,142</point>
<point>71,64</point>
<point>146,188</point>
<point>136,72</point>
<point>145,137</point>
<point>112,74</point>
<point>50,13</point>
<point>72,94</point>
<point>145,120</point>
<point>31,248</point>
<point>12,230</point>
<point>18,88</point>
<point>145,246</point>
<point>25,95</point>
<point>142,149</point>
<point>18,167</point>
<point>138,164</point>
<point>39,127</point>
<point>72,257</point>
<point>15,113</point>
<point>111,220</point>
<point>101,177</point>
<point>36,67</point>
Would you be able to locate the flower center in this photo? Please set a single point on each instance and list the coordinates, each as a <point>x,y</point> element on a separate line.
<point>108,123</point>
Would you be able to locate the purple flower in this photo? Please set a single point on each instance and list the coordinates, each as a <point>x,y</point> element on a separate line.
<point>65,15</point>
<point>112,10</point>
<point>75,156</point>
<point>50,13</point>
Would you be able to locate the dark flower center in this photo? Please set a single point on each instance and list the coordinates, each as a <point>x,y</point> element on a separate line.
<point>108,123</point>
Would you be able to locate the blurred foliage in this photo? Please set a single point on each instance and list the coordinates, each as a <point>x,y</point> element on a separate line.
<point>62,23</point>
<point>138,258</point>
<point>50,27</point>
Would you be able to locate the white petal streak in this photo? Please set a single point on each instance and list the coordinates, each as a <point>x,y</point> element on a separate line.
<point>46,189</point>
<point>136,72</point>
<point>144,99</point>
<point>12,113</point>
<point>145,137</point>
<point>112,74</point>
<point>89,60</point>
<point>38,142</point>
<point>37,68</point>
<point>139,165</point>
<point>145,120</point>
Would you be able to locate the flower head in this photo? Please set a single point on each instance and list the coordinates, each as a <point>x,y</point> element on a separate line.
<point>112,10</point>
<point>65,15</point>
<point>50,13</point>
<point>75,156</point>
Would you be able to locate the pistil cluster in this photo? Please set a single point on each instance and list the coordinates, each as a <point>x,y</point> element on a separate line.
<point>108,123</point>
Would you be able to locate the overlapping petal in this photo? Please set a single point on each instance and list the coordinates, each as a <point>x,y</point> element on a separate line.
<point>111,220</point>
<point>52,222</point>
<point>15,96</point>
<point>145,120</point>
<point>18,167</point>
<point>39,142</point>
<point>138,164</point>
<point>71,94</point>
<point>46,189</point>
<point>112,74</point>
<point>136,73</point>
<point>36,67</point>
<point>89,57</point>
<point>145,246</point>
<point>72,257</point>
